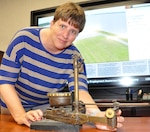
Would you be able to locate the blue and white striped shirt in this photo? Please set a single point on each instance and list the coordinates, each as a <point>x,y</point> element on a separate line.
<point>34,71</point>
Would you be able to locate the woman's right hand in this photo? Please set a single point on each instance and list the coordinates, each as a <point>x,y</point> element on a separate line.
<point>29,117</point>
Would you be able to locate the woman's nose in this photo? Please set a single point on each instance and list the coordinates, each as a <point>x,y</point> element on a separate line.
<point>66,34</point>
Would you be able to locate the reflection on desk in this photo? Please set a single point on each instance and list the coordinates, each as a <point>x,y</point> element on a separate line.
<point>131,124</point>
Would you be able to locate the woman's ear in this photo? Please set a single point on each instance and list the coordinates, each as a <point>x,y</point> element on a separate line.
<point>52,23</point>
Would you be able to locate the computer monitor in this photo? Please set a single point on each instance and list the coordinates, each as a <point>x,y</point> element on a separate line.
<point>114,43</point>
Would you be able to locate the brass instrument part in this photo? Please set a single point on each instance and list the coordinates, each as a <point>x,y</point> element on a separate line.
<point>79,118</point>
<point>110,113</point>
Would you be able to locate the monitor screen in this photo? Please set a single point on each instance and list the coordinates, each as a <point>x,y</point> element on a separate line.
<point>114,43</point>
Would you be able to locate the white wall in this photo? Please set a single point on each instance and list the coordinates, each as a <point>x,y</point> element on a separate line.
<point>15,14</point>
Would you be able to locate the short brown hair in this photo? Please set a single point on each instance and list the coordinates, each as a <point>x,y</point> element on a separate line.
<point>72,12</point>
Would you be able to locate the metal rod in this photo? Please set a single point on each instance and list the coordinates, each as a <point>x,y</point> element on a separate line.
<point>76,71</point>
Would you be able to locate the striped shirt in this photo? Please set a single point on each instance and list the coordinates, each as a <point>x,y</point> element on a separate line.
<point>34,71</point>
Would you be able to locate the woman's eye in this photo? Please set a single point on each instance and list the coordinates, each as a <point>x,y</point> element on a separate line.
<point>62,26</point>
<point>74,32</point>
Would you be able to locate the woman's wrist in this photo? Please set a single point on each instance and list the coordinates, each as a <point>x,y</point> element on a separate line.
<point>94,112</point>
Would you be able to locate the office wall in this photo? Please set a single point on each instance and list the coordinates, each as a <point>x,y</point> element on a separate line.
<point>15,14</point>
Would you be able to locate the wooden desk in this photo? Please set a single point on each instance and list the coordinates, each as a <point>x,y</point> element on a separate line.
<point>131,124</point>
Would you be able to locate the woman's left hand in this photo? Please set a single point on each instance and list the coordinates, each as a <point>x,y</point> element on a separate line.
<point>120,120</point>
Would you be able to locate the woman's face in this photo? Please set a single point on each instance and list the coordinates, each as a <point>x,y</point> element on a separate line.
<point>62,34</point>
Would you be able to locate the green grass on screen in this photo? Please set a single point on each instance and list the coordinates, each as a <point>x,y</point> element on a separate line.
<point>99,49</point>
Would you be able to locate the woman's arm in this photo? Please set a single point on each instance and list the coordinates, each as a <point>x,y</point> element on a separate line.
<point>10,97</point>
<point>87,99</point>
